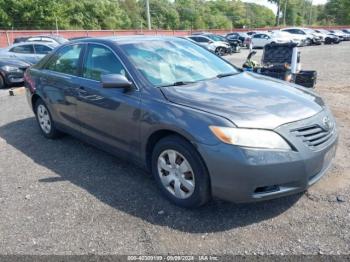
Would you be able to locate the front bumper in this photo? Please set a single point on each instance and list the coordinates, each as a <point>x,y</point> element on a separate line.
<point>317,41</point>
<point>247,175</point>
<point>14,78</point>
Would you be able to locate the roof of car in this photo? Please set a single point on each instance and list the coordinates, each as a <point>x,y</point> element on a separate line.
<point>35,43</point>
<point>128,39</point>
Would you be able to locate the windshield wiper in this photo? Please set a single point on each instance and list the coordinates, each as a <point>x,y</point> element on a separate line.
<point>227,74</point>
<point>179,83</point>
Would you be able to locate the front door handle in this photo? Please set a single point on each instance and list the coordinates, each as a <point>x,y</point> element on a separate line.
<point>81,91</point>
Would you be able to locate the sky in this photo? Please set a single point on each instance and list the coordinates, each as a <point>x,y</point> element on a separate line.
<point>274,8</point>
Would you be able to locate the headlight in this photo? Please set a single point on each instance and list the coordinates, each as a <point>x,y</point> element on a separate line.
<point>8,68</point>
<point>211,47</point>
<point>257,138</point>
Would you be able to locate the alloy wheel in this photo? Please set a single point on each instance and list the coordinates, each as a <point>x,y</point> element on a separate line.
<point>220,51</point>
<point>44,119</point>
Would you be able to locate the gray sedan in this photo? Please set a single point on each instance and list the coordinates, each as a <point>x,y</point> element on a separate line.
<point>201,126</point>
<point>30,52</point>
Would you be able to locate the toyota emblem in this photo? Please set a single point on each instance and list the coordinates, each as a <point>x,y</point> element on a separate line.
<point>327,123</point>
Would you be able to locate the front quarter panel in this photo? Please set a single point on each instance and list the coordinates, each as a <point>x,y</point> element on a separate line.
<point>159,114</point>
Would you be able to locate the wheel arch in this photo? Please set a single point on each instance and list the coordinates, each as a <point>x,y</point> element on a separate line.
<point>159,134</point>
<point>155,137</point>
<point>34,99</point>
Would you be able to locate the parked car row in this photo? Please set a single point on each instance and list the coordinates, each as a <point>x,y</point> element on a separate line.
<point>300,36</point>
<point>29,50</point>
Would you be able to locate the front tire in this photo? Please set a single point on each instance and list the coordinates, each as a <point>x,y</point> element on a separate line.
<point>2,82</point>
<point>308,42</point>
<point>180,172</point>
<point>220,51</point>
<point>44,120</point>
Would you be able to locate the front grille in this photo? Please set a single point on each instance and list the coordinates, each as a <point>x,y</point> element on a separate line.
<point>314,136</point>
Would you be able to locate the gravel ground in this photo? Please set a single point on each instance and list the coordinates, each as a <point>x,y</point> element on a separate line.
<point>66,197</point>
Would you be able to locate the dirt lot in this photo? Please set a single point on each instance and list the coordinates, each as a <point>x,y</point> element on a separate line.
<point>65,197</point>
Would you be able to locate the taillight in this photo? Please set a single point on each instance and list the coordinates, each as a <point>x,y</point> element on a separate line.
<point>28,81</point>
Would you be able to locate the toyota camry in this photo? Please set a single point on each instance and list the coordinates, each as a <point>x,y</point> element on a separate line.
<point>201,126</point>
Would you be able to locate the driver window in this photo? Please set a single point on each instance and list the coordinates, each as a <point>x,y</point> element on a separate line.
<point>100,61</point>
<point>203,39</point>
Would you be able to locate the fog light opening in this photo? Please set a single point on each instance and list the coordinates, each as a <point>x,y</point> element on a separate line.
<point>266,189</point>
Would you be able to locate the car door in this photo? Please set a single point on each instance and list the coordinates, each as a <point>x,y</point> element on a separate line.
<point>257,40</point>
<point>59,81</point>
<point>265,39</point>
<point>110,116</point>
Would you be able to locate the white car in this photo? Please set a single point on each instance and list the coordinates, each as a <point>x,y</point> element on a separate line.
<point>342,35</point>
<point>296,39</point>
<point>262,39</point>
<point>30,52</point>
<point>211,43</point>
<point>307,36</point>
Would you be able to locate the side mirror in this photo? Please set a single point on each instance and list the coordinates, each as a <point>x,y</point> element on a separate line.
<point>115,81</point>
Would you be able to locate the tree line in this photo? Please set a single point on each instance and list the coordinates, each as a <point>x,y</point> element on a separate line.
<point>166,14</point>
<point>302,12</point>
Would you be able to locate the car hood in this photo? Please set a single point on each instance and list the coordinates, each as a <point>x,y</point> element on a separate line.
<point>281,39</point>
<point>221,43</point>
<point>248,100</point>
<point>13,62</point>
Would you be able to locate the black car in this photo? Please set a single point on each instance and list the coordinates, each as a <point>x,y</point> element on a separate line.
<point>11,71</point>
<point>242,37</point>
<point>234,43</point>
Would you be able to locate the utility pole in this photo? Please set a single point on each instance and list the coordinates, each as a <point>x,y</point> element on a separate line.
<point>303,12</point>
<point>310,15</point>
<point>56,25</point>
<point>285,12</point>
<point>148,15</point>
<point>278,13</point>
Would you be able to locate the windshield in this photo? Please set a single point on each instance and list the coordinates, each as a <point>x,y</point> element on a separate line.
<point>214,37</point>
<point>165,62</point>
<point>323,31</point>
<point>221,38</point>
<point>310,31</point>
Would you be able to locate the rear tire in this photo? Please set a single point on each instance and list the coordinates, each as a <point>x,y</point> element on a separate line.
<point>180,172</point>
<point>44,120</point>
